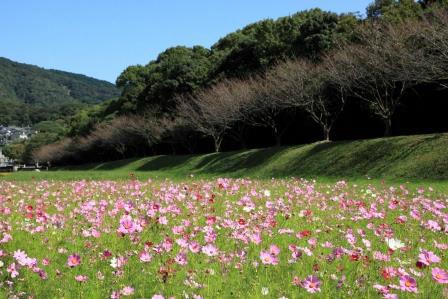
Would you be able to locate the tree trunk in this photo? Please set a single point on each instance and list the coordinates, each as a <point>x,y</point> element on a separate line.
<point>387,127</point>
<point>326,132</point>
<point>277,136</point>
<point>217,141</point>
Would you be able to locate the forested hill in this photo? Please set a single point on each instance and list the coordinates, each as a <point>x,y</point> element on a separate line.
<point>30,94</point>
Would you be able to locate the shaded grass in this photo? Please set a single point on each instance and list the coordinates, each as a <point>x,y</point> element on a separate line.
<point>419,157</point>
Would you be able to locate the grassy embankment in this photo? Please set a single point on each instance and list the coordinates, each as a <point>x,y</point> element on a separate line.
<point>404,158</point>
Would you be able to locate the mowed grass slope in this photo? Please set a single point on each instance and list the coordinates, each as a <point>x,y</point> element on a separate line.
<point>422,157</point>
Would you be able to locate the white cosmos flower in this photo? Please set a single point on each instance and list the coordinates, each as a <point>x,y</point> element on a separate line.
<point>394,244</point>
<point>114,263</point>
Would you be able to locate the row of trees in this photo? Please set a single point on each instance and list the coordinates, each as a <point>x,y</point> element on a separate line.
<point>386,62</point>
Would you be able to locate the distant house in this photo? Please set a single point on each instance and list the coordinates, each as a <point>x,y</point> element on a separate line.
<point>4,161</point>
<point>12,134</point>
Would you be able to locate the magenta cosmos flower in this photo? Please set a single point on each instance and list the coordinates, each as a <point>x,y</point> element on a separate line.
<point>440,275</point>
<point>428,257</point>
<point>73,260</point>
<point>311,284</point>
<point>128,226</point>
<point>407,283</point>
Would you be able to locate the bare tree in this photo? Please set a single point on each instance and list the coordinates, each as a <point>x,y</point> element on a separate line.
<point>260,106</point>
<point>431,36</point>
<point>324,99</point>
<point>54,152</point>
<point>109,135</point>
<point>303,85</point>
<point>148,127</point>
<point>177,130</point>
<point>379,70</point>
<point>211,111</point>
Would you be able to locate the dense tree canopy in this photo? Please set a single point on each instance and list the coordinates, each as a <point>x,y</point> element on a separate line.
<point>394,10</point>
<point>177,70</point>
<point>255,48</point>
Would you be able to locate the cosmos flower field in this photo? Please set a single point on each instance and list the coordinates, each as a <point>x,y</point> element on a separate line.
<point>223,238</point>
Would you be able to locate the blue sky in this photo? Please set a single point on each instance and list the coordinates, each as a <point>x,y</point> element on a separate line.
<point>100,38</point>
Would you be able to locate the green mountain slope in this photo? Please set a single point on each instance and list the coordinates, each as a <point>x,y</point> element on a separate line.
<point>29,94</point>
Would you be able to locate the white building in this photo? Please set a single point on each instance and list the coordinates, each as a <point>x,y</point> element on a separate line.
<point>4,161</point>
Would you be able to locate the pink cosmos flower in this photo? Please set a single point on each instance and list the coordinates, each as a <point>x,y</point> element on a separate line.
<point>383,290</point>
<point>428,257</point>
<point>274,250</point>
<point>440,275</point>
<point>157,297</point>
<point>381,256</point>
<point>442,246</point>
<point>81,278</point>
<point>311,284</point>
<point>433,225</point>
<point>73,260</point>
<point>22,258</point>
<point>167,244</point>
<point>12,270</point>
<point>312,241</point>
<point>327,244</point>
<point>388,272</point>
<point>6,238</point>
<point>127,291</point>
<point>210,250</point>
<point>351,239</point>
<point>408,284</point>
<point>194,247</point>
<point>210,236</point>
<point>163,220</point>
<point>19,255</point>
<point>267,258</point>
<point>128,226</point>
<point>145,257</point>
<point>367,243</point>
<point>181,259</point>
